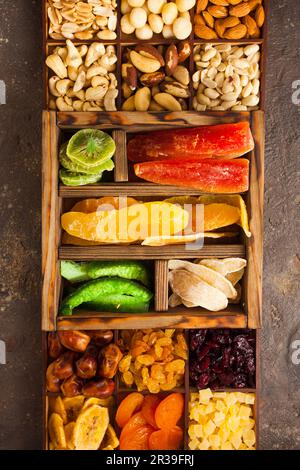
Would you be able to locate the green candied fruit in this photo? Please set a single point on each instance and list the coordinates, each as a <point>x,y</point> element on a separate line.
<point>69,178</point>
<point>75,167</point>
<point>90,147</point>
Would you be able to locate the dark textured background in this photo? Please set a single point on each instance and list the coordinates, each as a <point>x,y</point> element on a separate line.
<point>20,144</point>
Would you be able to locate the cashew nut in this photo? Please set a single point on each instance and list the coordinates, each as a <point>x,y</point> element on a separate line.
<point>62,86</point>
<point>109,100</point>
<point>80,81</point>
<point>73,58</point>
<point>62,105</point>
<point>52,85</point>
<point>94,94</point>
<point>55,63</point>
<point>96,50</point>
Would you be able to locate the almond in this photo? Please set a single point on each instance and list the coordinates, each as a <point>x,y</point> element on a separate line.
<point>218,12</point>
<point>260,16</point>
<point>253,29</point>
<point>220,28</point>
<point>230,22</point>
<point>234,2</point>
<point>199,20</point>
<point>201,5</point>
<point>204,32</point>
<point>237,32</point>
<point>208,19</point>
<point>240,10</point>
<point>222,3</point>
<point>253,4</point>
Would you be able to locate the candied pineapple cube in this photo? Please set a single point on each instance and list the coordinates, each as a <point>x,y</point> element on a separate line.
<point>218,418</point>
<point>236,440</point>
<point>247,423</point>
<point>233,423</point>
<point>219,395</point>
<point>193,444</point>
<point>210,408</point>
<point>244,411</point>
<point>214,440</point>
<point>249,398</point>
<point>249,437</point>
<point>205,396</point>
<point>195,431</point>
<point>220,406</point>
<point>209,428</point>
<point>224,434</point>
<point>204,445</point>
<point>226,446</point>
<point>230,399</point>
<point>194,396</point>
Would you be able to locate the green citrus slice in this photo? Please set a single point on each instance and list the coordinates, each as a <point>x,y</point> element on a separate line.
<point>90,147</point>
<point>69,178</point>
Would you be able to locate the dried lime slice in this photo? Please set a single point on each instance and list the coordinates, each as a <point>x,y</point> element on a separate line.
<point>90,147</point>
<point>69,178</point>
<point>75,167</point>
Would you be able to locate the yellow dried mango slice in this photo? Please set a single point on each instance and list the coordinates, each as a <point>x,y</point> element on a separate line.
<point>235,200</point>
<point>104,203</point>
<point>90,428</point>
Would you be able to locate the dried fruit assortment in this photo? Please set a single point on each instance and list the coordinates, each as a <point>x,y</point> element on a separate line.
<point>227,77</point>
<point>222,358</point>
<point>229,19</point>
<point>81,423</point>
<point>146,18</point>
<point>205,284</point>
<point>156,78</point>
<point>107,286</point>
<point>84,77</point>
<point>82,20</point>
<point>85,157</point>
<point>82,363</point>
<point>150,423</point>
<point>153,360</point>
<point>221,421</point>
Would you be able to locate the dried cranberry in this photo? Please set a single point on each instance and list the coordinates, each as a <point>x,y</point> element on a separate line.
<point>203,380</point>
<point>225,363</point>
<point>226,378</point>
<point>240,381</point>
<point>242,344</point>
<point>203,352</point>
<point>250,365</point>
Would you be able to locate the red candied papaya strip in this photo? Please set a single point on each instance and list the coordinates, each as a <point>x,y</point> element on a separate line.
<point>224,140</point>
<point>208,175</point>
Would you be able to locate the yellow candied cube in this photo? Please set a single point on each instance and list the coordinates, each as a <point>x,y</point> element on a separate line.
<point>247,423</point>
<point>210,408</point>
<point>194,396</point>
<point>226,446</point>
<point>236,440</point>
<point>193,444</point>
<point>195,431</point>
<point>214,440</point>
<point>230,399</point>
<point>224,434</point>
<point>249,437</point>
<point>233,423</point>
<point>244,411</point>
<point>209,428</point>
<point>249,398</point>
<point>219,418</point>
<point>220,406</point>
<point>219,395</point>
<point>234,409</point>
<point>243,447</point>
<point>205,396</point>
<point>204,445</point>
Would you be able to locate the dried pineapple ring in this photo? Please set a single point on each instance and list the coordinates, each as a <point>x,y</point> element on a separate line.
<point>90,428</point>
<point>56,431</point>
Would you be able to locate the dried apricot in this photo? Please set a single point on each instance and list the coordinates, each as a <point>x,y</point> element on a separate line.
<point>166,439</point>
<point>150,404</point>
<point>136,421</point>
<point>137,439</point>
<point>127,407</point>
<point>169,411</point>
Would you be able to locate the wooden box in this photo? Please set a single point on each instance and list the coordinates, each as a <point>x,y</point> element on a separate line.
<point>121,391</point>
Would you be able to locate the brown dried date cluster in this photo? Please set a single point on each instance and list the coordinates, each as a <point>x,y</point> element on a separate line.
<point>82,363</point>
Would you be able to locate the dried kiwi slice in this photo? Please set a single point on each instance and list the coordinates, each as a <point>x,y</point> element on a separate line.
<point>69,178</point>
<point>90,147</point>
<point>75,167</point>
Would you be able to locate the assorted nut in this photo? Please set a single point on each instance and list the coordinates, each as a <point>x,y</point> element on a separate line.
<point>82,20</point>
<point>155,78</point>
<point>227,77</point>
<point>84,78</point>
<point>229,19</point>
<point>145,18</point>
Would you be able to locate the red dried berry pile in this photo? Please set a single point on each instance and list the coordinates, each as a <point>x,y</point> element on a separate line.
<point>222,358</point>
